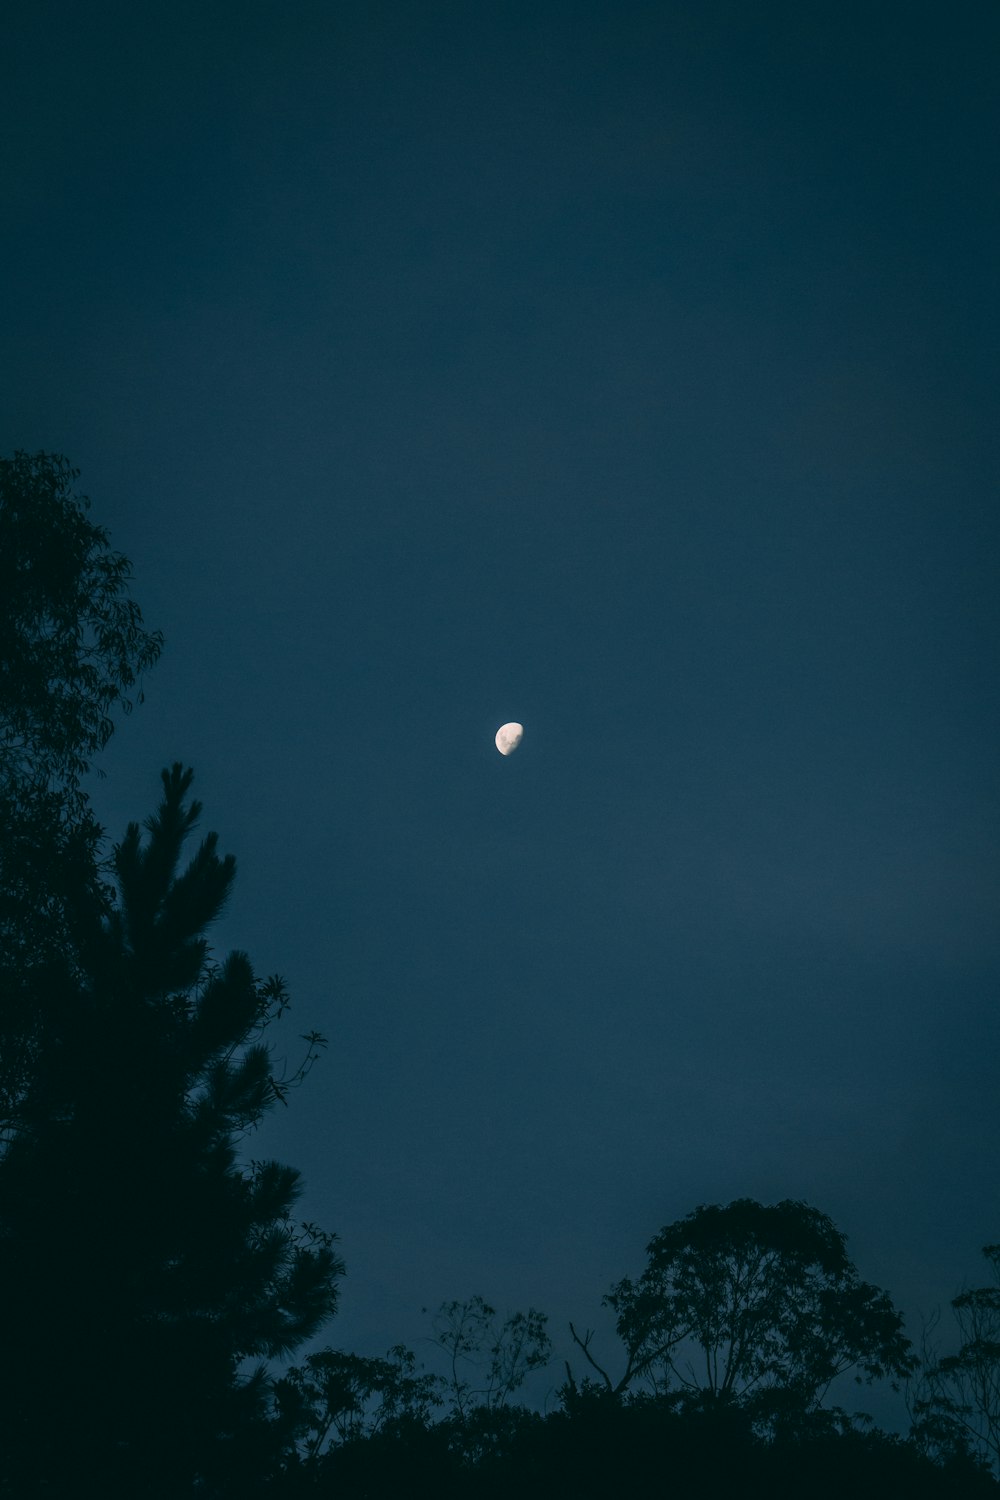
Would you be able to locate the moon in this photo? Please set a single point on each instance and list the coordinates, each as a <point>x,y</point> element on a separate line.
<point>509,736</point>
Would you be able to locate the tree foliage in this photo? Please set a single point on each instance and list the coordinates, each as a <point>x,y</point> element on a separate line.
<point>337,1397</point>
<point>72,643</point>
<point>955,1401</point>
<point>72,648</point>
<point>489,1358</point>
<point>656,1445</point>
<point>754,1304</point>
<point>347,1418</point>
<point>650,1444</point>
<point>130,1232</point>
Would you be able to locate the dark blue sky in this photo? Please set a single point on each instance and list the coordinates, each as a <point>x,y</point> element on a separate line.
<point>628,370</point>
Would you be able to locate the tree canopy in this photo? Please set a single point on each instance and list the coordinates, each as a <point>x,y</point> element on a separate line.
<point>753,1303</point>
<point>72,649</point>
<point>72,642</point>
<point>956,1397</point>
<point>131,1233</point>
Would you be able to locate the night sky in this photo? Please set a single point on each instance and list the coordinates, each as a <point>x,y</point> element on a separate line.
<point>629,371</point>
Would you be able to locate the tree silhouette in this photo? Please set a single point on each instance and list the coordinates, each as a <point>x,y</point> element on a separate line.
<point>499,1355</point>
<point>72,647</point>
<point>336,1398</point>
<point>956,1398</point>
<point>752,1304</point>
<point>143,1268</point>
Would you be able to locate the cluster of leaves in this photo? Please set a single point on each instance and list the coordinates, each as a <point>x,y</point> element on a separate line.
<point>643,1442</point>
<point>955,1401</point>
<point>72,643</point>
<point>337,1401</point>
<point>72,648</point>
<point>753,1302</point>
<point>500,1354</point>
<point>188,1264</point>
<point>337,1398</point>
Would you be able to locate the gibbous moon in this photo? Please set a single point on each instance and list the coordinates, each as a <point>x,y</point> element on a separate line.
<point>509,736</point>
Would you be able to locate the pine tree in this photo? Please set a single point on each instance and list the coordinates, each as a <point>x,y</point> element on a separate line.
<point>146,1270</point>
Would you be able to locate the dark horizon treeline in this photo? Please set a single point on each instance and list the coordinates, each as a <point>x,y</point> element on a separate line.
<point>155,1281</point>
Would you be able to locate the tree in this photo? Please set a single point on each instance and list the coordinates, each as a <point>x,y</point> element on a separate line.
<point>146,1273</point>
<point>755,1305</point>
<point>72,648</point>
<point>956,1399</point>
<point>71,640</point>
<point>500,1354</point>
<point>649,1445</point>
<point>337,1397</point>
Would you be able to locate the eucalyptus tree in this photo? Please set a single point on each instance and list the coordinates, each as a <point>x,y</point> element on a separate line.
<point>489,1357</point>
<point>73,649</point>
<point>335,1398</point>
<point>753,1304</point>
<point>955,1400</point>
